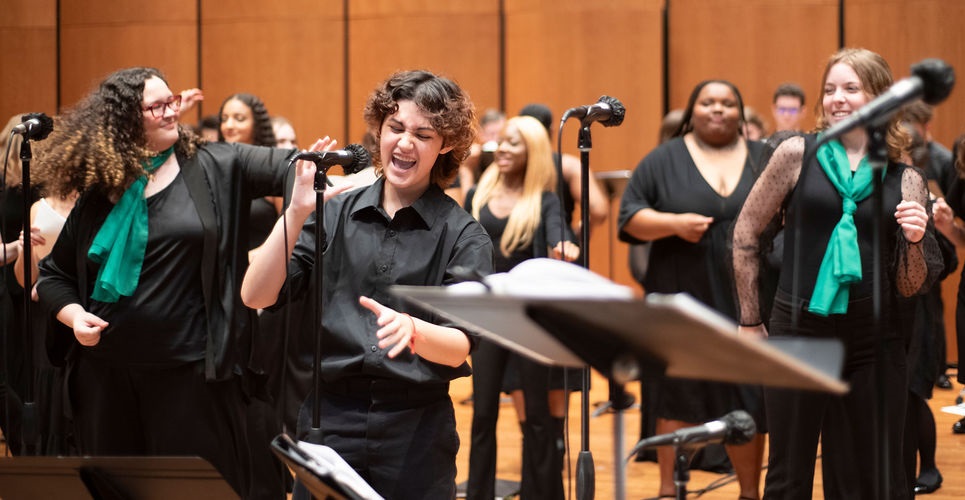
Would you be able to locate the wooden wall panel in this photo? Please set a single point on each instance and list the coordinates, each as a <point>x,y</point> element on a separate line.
<point>756,44</point>
<point>287,53</point>
<point>907,31</point>
<point>28,57</point>
<point>453,38</point>
<point>567,53</point>
<point>99,37</point>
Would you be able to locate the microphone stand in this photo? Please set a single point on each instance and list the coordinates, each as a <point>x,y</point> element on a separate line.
<point>321,181</point>
<point>29,431</point>
<point>878,160</point>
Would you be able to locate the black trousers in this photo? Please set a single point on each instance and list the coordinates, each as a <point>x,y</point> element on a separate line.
<point>400,437</point>
<point>850,447</point>
<point>541,462</point>
<point>123,411</point>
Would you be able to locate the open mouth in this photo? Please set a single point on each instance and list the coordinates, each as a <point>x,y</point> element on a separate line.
<point>402,163</point>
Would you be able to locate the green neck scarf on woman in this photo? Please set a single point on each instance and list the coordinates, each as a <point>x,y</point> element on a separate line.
<point>841,265</point>
<point>120,243</point>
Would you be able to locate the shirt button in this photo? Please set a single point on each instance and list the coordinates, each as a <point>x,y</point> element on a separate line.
<point>392,234</point>
<point>374,348</point>
<point>383,268</point>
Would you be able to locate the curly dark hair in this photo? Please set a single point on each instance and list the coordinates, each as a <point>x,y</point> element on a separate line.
<point>99,143</point>
<point>449,110</point>
<point>262,133</point>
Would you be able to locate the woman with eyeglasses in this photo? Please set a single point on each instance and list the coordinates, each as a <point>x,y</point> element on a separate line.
<point>146,274</point>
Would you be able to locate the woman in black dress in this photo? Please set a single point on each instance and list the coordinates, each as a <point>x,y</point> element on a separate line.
<point>684,196</point>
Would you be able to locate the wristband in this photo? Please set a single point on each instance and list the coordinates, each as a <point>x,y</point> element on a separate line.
<point>752,325</point>
<point>411,337</point>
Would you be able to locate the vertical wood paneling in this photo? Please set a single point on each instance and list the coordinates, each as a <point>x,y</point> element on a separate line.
<point>568,53</point>
<point>456,39</point>
<point>287,53</point>
<point>28,57</point>
<point>756,44</point>
<point>99,37</point>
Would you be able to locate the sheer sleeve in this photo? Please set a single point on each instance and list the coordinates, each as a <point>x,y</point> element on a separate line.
<point>763,204</point>
<point>917,265</point>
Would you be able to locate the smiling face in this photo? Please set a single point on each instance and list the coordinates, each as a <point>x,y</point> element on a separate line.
<point>843,93</point>
<point>716,116</point>
<point>409,146</point>
<point>511,155</point>
<point>237,122</point>
<point>160,133</point>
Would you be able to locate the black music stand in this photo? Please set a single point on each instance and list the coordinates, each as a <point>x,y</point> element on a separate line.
<point>325,480</point>
<point>625,340</point>
<point>111,478</point>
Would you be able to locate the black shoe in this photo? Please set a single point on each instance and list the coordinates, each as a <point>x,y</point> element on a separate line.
<point>928,482</point>
<point>959,427</point>
<point>943,382</point>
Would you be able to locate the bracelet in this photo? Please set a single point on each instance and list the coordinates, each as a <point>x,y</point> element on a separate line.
<point>752,325</point>
<point>411,337</point>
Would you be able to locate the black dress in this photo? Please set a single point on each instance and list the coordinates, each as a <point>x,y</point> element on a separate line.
<point>667,180</point>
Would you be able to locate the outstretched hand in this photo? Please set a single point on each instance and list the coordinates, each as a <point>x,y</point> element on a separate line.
<point>303,192</point>
<point>397,329</point>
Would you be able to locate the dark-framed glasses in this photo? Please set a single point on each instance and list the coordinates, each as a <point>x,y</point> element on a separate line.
<point>157,109</point>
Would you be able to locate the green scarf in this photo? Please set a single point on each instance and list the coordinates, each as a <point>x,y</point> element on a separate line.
<point>842,260</point>
<point>120,243</point>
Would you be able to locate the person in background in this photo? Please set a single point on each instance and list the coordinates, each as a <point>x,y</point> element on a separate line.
<point>787,107</point>
<point>571,170</point>
<point>491,122</point>
<point>754,127</point>
<point>384,403</point>
<point>284,133</point>
<point>684,196</point>
<point>156,327</point>
<point>826,205</point>
<point>515,200</point>
<point>209,128</point>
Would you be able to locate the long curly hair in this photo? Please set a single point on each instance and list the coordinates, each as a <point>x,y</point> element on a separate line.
<point>262,133</point>
<point>876,78</point>
<point>100,143</point>
<point>11,146</point>
<point>540,176</point>
<point>447,106</point>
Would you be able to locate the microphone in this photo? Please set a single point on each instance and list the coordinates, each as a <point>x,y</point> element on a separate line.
<point>34,126</point>
<point>352,159</point>
<point>931,80</point>
<point>737,427</point>
<point>609,111</point>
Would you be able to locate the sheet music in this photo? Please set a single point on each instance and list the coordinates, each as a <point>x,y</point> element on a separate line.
<point>327,462</point>
<point>545,279</point>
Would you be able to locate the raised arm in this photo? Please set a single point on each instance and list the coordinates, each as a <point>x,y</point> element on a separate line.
<point>762,205</point>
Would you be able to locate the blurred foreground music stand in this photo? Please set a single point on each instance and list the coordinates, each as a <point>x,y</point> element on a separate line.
<point>111,478</point>
<point>662,335</point>
<point>325,481</point>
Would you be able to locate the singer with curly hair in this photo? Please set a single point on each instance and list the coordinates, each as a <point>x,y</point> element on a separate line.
<point>146,271</point>
<point>385,368</point>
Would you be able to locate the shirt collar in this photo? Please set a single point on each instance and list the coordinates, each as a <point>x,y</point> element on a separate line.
<point>427,207</point>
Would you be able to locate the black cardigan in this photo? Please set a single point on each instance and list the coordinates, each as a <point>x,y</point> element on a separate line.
<point>222,179</point>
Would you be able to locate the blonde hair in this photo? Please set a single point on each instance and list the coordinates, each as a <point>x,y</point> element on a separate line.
<point>13,167</point>
<point>540,176</point>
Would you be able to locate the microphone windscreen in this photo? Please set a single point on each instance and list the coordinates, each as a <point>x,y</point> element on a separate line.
<point>362,159</point>
<point>741,427</point>
<point>938,79</point>
<point>46,125</point>
<point>617,111</point>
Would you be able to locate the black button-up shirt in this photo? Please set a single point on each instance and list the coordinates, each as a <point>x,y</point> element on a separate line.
<point>366,253</point>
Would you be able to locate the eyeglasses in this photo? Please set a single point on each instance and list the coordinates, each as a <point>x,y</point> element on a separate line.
<point>788,111</point>
<point>157,109</point>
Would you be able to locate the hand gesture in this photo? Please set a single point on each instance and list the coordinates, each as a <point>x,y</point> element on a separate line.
<point>691,227</point>
<point>912,218</point>
<point>190,98</point>
<point>303,192</point>
<point>36,239</point>
<point>944,216</point>
<point>397,329</point>
<point>88,328</point>
<point>565,250</point>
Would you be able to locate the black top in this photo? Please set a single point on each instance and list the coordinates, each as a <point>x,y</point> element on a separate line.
<point>163,322</point>
<point>261,221</point>
<point>667,180</point>
<point>366,253</point>
<point>547,232</point>
<point>221,180</point>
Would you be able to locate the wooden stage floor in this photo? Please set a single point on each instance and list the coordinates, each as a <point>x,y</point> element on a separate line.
<point>643,477</point>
